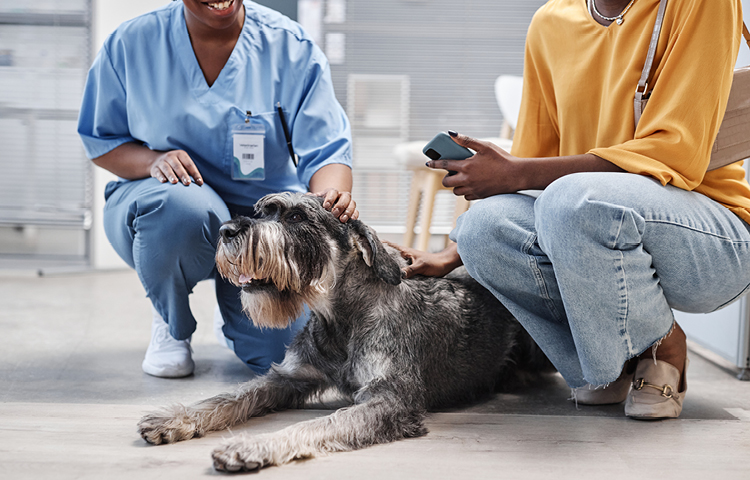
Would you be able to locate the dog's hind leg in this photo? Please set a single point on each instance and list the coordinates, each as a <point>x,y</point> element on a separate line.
<point>378,420</point>
<point>285,386</point>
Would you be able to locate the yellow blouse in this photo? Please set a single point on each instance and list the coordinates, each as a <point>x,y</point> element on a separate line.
<point>580,79</point>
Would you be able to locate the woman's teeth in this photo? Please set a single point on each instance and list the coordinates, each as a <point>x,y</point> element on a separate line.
<point>220,5</point>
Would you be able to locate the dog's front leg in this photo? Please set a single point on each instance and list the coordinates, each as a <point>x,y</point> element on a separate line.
<point>378,420</point>
<point>285,386</point>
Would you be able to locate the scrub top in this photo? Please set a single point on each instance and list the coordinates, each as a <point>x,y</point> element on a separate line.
<point>146,86</point>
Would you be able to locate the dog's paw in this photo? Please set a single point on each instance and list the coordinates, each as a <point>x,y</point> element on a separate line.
<point>168,426</point>
<point>242,454</point>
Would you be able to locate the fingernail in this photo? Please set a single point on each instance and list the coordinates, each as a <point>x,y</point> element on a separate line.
<point>426,164</point>
<point>336,211</point>
<point>344,218</point>
<point>452,133</point>
<point>403,273</point>
<point>326,205</point>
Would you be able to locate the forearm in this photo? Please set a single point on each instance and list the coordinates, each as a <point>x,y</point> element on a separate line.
<point>130,161</point>
<point>538,173</point>
<point>335,175</point>
<point>450,258</point>
<point>493,171</point>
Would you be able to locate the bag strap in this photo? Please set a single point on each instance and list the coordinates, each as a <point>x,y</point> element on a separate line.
<point>642,87</point>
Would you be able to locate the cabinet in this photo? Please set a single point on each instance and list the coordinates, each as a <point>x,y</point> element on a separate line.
<point>45,185</point>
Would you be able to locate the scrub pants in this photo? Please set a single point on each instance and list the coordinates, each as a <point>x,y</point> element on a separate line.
<point>593,266</point>
<point>168,234</point>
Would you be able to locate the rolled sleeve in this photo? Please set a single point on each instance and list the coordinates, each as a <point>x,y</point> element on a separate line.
<point>321,133</point>
<point>674,137</point>
<point>103,119</point>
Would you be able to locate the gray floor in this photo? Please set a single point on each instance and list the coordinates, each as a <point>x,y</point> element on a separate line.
<point>72,391</point>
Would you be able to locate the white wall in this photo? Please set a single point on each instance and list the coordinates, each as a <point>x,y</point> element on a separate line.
<point>108,14</point>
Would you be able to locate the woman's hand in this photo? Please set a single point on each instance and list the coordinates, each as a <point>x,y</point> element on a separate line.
<point>491,171</point>
<point>340,204</point>
<point>175,166</point>
<point>429,264</point>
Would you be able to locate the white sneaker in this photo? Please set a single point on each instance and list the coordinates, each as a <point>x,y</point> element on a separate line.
<point>218,332</point>
<point>167,357</point>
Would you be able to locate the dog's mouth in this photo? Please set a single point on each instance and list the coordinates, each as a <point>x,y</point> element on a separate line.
<point>250,284</point>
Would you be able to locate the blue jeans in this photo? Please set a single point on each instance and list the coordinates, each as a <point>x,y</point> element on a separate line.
<point>168,234</point>
<point>593,266</point>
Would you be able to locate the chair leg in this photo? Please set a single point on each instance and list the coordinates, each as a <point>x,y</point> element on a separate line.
<point>506,131</point>
<point>412,211</point>
<point>432,184</point>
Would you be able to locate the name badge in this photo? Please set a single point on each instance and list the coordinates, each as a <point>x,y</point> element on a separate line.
<point>248,140</point>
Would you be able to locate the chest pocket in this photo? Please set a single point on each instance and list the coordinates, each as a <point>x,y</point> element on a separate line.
<point>278,162</point>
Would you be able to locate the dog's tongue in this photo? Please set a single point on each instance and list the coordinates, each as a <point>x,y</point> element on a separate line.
<point>244,278</point>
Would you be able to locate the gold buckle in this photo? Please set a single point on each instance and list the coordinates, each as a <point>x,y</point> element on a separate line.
<point>666,390</point>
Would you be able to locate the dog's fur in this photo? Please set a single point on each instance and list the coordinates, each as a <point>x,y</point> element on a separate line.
<point>394,348</point>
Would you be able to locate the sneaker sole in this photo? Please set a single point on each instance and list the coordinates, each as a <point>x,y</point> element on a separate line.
<point>168,372</point>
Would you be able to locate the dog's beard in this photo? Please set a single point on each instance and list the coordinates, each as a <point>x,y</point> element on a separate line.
<point>272,309</point>
<point>282,293</point>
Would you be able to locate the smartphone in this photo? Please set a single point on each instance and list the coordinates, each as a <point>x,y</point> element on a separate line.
<point>443,146</point>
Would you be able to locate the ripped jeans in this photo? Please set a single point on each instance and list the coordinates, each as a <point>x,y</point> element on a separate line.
<point>593,267</point>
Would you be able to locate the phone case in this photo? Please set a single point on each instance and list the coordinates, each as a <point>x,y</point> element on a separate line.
<point>443,146</point>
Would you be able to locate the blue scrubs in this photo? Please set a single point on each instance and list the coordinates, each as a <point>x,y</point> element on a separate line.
<point>146,86</point>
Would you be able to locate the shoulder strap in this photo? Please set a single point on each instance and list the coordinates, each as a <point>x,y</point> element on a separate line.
<point>642,88</point>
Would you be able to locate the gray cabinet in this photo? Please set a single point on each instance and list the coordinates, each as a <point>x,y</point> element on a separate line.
<point>45,185</point>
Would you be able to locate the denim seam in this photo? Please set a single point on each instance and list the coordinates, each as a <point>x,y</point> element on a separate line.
<point>539,278</point>
<point>677,224</point>
<point>622,307</point>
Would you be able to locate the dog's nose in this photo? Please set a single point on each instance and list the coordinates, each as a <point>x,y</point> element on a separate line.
<point>228,232</point>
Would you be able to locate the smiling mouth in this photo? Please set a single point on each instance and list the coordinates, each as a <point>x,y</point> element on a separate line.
<point>219,6</point>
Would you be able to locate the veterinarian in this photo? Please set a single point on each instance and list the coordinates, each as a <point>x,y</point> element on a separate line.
<point>629,224</point>
<point>201,108</point>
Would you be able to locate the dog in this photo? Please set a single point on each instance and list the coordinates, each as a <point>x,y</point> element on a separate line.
<point>394,348</point>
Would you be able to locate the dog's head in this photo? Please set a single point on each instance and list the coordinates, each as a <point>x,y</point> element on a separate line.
<point>292,254</point>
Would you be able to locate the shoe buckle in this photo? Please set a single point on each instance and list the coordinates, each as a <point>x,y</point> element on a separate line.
<point>666,390</point>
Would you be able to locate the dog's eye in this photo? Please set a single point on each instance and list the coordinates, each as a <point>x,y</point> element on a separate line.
<point>296,217</point>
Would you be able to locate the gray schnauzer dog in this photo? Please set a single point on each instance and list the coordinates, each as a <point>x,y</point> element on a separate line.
<point>394,348</point>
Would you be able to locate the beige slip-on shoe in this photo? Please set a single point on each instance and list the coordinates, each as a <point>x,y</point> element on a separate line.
<point>654,394</point>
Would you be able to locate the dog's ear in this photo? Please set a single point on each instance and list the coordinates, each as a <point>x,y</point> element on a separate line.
<point>374,253</point>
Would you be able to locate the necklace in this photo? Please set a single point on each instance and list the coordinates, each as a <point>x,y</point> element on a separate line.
<point>618,19</point>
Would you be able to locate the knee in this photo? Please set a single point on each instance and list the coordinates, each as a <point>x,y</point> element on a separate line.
<point>586,207</point>
<point>185,212</point>
<point>474,230</point>
<point>491,230</point>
